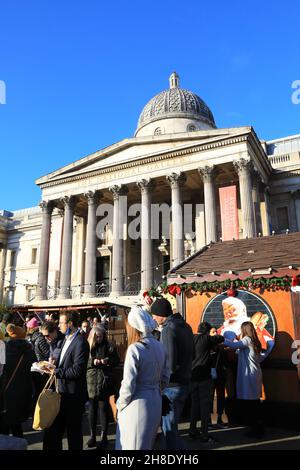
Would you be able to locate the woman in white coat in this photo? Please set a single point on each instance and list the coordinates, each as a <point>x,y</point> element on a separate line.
<point>146,374</point>
<point>249,376</point>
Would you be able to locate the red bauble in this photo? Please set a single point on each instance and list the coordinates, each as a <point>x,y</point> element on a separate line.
<point>174,290</point>
<point>295,281</point>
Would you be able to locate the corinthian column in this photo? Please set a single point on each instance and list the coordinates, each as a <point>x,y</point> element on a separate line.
<point>91,245</point>
<point>117,253</point>
<point>66,256</point>
<point>146,242</point>
<point>176,181</point>
<point>42,285</point>
<point>243,168</point>
<point>207,174</point>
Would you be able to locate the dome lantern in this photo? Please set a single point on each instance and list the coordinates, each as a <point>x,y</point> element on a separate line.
<point>174,80</point>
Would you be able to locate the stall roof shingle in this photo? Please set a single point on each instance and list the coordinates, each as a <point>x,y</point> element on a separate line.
<point>278,251</point>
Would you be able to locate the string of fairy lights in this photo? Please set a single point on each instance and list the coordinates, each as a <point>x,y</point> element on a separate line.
<point>31,283</point>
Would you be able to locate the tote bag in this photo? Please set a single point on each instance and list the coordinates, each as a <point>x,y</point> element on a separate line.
<point>47,406</point>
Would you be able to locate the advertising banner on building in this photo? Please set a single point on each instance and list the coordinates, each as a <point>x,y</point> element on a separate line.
<point>229,212</point>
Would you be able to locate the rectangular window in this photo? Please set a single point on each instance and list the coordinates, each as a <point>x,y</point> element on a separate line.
<point>282,218</point>
<point>12,259</point>
<point>30,294</point>
<point>33,255</point>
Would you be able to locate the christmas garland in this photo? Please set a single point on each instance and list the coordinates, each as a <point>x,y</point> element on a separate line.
<point>274,283</point>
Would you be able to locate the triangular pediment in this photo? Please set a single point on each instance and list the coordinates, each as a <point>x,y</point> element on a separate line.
<point>138,148</point>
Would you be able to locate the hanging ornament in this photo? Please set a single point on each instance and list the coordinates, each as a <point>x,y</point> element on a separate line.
<point>174,290</point>
<point>231,292</point>
<point>295,284</point>
<point>147,299</point>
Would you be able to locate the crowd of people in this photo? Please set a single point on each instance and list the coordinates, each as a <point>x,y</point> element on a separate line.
<point>165,363</point>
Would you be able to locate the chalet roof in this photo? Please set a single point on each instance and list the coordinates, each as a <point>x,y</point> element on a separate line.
<point>258,254</point>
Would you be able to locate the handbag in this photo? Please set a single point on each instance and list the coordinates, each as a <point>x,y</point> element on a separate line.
<point>47,406</point>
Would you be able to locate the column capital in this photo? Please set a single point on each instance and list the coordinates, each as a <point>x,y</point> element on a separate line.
<point>242,166</point>
<point>176,179</point>
<point>77,219</point>
<point>118,190</point>
<point>207,172</point>
<point>46,206</point>
<point>145,185</point>
<point>92,196</point>
<point>68,201</point>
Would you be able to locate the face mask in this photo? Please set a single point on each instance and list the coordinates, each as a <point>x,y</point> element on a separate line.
<point>68,331</point>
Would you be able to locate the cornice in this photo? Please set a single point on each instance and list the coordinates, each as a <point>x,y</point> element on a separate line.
<point>280,174</point>
<point>253,140</point>
<point>144,161</point>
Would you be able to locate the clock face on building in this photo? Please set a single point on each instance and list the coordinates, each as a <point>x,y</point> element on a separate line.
<point>227,314</point>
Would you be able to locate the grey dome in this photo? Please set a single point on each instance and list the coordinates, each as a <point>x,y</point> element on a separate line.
<point>176,102</point>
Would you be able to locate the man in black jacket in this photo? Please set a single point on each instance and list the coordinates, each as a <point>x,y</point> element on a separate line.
<point>177,337</point>
<point>70,371</point>
<point>54,338</point>
<point>202,384</point>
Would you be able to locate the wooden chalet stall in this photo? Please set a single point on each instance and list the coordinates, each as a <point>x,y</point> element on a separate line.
<point>258,278</point>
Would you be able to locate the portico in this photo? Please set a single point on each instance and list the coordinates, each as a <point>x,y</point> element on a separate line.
<point>189,174</point>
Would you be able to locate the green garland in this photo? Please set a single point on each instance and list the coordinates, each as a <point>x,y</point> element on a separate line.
<point>250,283</point>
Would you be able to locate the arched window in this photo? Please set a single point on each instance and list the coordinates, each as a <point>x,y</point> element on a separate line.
<point>157,131</point>
<point>191,128</point>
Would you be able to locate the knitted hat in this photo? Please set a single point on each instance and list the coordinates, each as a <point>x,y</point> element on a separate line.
<point>161,308</point>
<point>33,323</point>
<point>15,332</point>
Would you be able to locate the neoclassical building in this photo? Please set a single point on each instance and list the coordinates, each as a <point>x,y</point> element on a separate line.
<point>234,184</point>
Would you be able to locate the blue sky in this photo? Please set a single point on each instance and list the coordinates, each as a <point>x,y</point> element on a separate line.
<point>78,74</point>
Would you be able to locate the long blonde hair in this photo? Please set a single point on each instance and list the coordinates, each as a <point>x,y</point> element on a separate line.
<point>133,335</point>
<point>93,334</point>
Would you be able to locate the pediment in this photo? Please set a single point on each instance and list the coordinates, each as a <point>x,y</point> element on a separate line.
<point>138,148</point>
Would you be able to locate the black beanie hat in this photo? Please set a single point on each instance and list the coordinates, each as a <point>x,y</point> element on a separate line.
<point>161,308</point>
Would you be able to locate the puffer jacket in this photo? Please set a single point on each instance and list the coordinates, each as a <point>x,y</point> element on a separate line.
<point>41,348</point>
